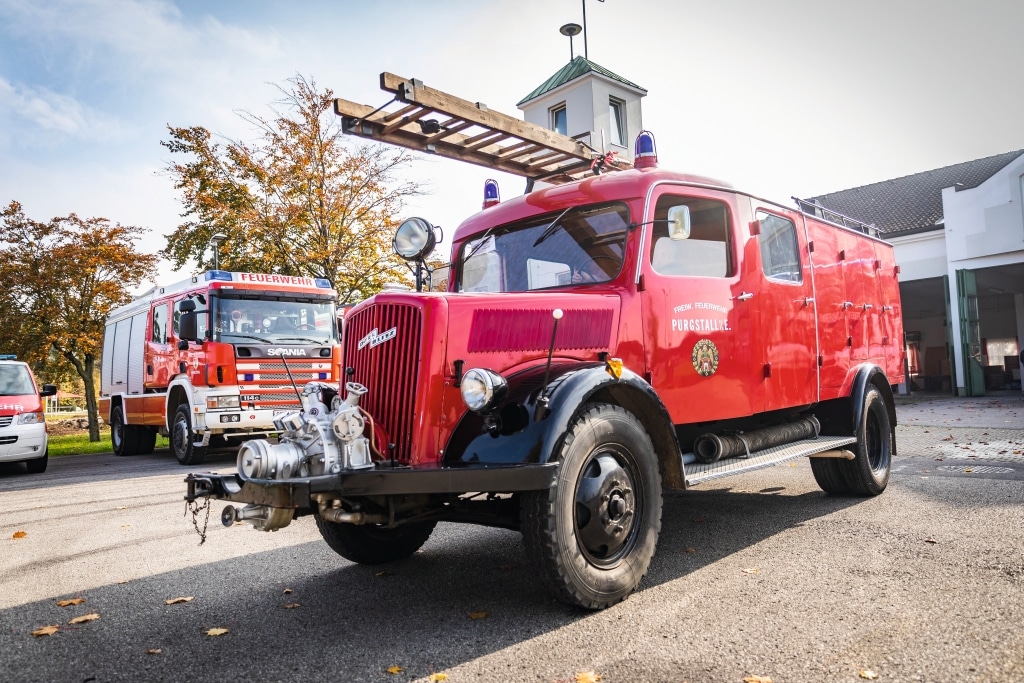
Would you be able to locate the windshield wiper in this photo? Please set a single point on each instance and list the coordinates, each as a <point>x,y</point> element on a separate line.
<point>246,336</point>
<point>305,339</point>
<point>552,227</point>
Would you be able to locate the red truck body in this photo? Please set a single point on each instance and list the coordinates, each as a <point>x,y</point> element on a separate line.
<point>599,340</point>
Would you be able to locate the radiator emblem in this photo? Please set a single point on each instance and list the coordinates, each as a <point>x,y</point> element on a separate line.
<point>374,339</point>
<point>705,357</point>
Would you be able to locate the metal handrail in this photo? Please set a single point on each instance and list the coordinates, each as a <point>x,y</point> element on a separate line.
<point>819,211</point>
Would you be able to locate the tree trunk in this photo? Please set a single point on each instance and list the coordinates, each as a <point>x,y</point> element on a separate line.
<point>85,368</point>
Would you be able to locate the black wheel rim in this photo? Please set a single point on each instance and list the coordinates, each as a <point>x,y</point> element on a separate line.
<point>115,430</point>
<point>179,436</point>
<point>607,506</point>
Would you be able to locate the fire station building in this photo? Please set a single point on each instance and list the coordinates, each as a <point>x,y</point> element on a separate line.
<point>958,232</point>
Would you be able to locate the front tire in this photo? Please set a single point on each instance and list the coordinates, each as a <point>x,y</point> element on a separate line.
<point>122,438</point>
<point>372,544</point>
<point>38,465</point>
<point>183,438</point>
<point>592,536</point>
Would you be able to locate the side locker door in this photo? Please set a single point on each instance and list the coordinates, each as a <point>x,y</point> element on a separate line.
<point>787,308</point>
<point>890,314</point>
<point>857,258</point>
<point>830,298</point>
<point>698,305</point>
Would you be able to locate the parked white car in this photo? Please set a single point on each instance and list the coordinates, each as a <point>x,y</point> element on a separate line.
<point>22,418</point>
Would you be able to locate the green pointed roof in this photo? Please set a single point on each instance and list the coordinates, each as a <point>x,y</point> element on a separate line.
<point>579,66</point>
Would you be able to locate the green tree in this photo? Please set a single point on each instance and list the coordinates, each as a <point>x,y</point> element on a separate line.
<point>302,200</point>
<point>61,280</point>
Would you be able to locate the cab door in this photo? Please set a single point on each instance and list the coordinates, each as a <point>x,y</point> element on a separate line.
<point>788,332</point>
<point>699,297</point>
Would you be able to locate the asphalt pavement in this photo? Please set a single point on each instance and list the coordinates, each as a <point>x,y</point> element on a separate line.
<point>757,575</point>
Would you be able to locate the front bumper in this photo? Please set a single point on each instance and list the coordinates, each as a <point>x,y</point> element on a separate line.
<point>382,481</point>
<point>22,442</point>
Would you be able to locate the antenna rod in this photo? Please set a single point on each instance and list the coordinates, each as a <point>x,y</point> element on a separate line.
<point>586,54</point>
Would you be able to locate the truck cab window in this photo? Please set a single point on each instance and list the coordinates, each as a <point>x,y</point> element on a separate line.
<point>780,251</point>
<point>159,335</point>
<point>707,252</point>
<point>573,247</point>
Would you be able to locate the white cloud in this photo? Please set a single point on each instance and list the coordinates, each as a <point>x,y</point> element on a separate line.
<point>48,116</point>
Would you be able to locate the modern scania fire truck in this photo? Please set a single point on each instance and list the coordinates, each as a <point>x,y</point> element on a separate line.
<point>211,360</point>
<point>601,338</point>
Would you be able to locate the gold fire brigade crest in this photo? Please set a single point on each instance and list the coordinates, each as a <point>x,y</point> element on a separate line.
<point>705,357</point>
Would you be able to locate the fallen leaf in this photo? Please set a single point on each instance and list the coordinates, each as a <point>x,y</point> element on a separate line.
<point>691,550</point>
<point>383,574</point>
<point>125,526</point>
<point>119,583</point>
<point>437,677</point>
<point>587,677</point>
<point>122,507</point>
<point>287,591</point>
<point>84,618</point>
<point>751,570</point>
<point>19,534</point>
<point>968,470</point>
<point>46,631</point>
<point>213,632</point>
<point>293,605</point>
<point>930,540</point>
<point>868,674</point>
<point>697,520</point>
<point>154,651</point>
<point>394,669</point>
<point>792,464</point>
<point>477,615</point>
<point>505,567</point>
<point>948,438</point>
<point>72,601</point>
<point>177,601</point>
<point>758,679</point>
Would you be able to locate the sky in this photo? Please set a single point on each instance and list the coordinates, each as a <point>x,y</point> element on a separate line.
<point>782,98</point>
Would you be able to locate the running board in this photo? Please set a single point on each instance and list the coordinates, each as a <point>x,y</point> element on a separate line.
<point>698,472</point>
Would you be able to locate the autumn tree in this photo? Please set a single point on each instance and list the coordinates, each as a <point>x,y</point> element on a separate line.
<point>60,280</point>
<point>301,200</point>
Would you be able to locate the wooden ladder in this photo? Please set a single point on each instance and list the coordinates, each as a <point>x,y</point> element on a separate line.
<point>431,121</point>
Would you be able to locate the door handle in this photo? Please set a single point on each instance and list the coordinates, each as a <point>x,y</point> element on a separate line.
<point>808,300</point>
<point>744,296</point>
<point>867,306</point>
<point>847,304</point>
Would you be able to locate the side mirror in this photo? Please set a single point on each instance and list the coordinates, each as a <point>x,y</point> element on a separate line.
<point>679,222</point>
<point>48,390</point>
<point>188,325</point>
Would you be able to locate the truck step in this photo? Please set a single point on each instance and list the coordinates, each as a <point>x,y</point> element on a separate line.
<point>698,472</point>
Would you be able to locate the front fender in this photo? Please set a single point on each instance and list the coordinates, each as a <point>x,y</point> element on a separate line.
<point>515,436</point>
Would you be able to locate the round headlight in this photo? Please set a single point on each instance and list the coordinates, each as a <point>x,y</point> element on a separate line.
<point>414,239</point>
<point>483,389</point>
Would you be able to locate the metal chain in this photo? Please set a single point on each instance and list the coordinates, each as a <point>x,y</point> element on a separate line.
<point>195,508</point>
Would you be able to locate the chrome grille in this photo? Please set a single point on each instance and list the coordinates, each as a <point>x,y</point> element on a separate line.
<point>382,346</point>
<point>266,384</point>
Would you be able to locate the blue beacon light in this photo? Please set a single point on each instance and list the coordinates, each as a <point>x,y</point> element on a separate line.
<point>645,153</point>
<point>491,194</point>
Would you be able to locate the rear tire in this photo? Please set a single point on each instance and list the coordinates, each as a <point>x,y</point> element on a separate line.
<point>868,473</point>
<point>591,536</point>
<point>828,472</point>
<point>38,465</point>
<point>372,544</point>
<point>183,438</point>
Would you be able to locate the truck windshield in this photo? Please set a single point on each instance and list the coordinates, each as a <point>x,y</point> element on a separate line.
<point>240,321</point>
<point>15,380</point>
<point>573,247</point>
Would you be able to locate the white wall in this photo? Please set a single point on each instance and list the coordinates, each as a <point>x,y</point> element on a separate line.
<point>920,256</point>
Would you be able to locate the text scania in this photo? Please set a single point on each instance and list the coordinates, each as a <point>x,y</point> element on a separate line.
<point>286,352</point>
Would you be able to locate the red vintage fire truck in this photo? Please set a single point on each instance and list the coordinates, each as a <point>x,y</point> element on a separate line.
<point>601,338</point>
<point>212,359</point>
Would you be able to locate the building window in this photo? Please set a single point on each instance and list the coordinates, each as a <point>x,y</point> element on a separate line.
<point>559,123</point>
<point>617,121</point>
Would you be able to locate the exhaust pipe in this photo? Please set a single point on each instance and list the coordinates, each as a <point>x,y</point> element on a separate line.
<point>709,448</point>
